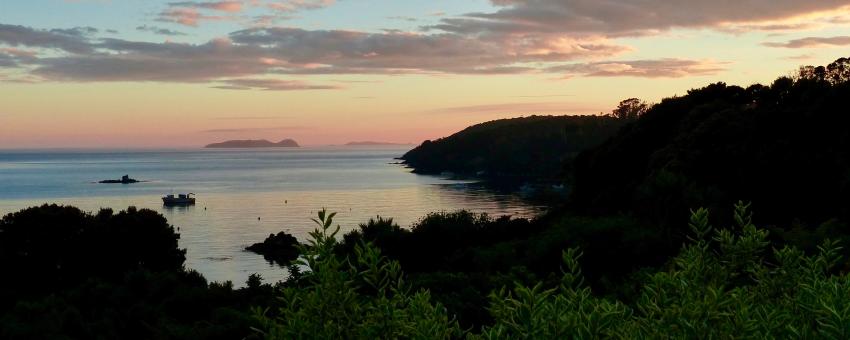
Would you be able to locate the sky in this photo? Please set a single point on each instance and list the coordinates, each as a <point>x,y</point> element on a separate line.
<point>148,73</point>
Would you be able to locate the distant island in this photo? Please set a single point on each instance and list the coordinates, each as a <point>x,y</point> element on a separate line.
<point>373,143</point>
<point>254,143</point>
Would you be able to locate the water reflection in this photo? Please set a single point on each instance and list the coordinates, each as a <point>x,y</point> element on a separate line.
<point>178,208</point>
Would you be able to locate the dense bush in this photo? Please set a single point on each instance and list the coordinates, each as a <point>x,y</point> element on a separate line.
<point>460,256</point>
<point>69,274</point>
<point>364,297</point>
<point>51,246</point>
<point>724,283</point>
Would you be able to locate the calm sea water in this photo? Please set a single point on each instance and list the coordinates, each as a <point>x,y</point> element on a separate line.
<point>243,195</point>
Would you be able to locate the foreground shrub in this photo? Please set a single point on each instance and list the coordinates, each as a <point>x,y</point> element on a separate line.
<point>360,298</point>
<point>724,283</point>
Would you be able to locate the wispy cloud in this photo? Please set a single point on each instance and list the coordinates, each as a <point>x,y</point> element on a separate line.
<point>403,18</point>
<point>660,68</point>
<point>189,16</point>
<point>272,85</point>
<point>524,108</point>
<point>13,57</point>
<point>74,40</point>
<point>341,52</point>
<point>159,30</point>
<point>544,96</point>
<point>251,117</point>
<point>290,6</point>
<point>812,42</point>
<point>257,129</point>
<point>800,57</point>
<point>223,6</point>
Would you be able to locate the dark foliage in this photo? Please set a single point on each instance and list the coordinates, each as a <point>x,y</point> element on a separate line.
<point>630,109</point>
<point>460,257</point>
<point>535,146</point>
<point>835,73</point>
<point>281,248</point>
<point>785,147</point>
<point>51,247</point>
<point>69,274</point>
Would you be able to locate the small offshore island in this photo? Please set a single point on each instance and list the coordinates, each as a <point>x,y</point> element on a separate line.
<point>254,143</point>
<point>124,180</point>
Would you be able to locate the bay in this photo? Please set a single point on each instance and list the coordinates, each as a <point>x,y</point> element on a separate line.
<point>244,195</point>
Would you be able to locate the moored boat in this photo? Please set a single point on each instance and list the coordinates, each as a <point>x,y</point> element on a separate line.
<point>180,199</point>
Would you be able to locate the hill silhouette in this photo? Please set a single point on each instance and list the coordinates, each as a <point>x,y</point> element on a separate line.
<point>534,146</point>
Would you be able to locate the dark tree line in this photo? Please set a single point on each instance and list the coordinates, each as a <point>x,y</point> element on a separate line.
<point>835,73</point>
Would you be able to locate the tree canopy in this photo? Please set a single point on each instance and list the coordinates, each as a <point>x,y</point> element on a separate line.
<point>785,147</point>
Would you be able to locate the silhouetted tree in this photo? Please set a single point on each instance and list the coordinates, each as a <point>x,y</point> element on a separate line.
<point>839,70</point>
<point>630,109</point>
<point>835,73</point>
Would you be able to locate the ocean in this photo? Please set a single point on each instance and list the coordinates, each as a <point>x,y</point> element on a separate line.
<point>244,195</point>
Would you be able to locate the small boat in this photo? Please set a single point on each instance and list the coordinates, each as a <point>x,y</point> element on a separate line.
<point>181,199</point>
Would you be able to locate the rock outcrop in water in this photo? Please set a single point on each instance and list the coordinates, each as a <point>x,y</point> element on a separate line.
<point>281,248</point>
<point>254,143</point>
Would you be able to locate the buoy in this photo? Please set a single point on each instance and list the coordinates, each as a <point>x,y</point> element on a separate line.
<point>258,218</point>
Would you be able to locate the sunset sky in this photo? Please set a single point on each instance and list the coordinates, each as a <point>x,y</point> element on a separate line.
<point>145,73</point>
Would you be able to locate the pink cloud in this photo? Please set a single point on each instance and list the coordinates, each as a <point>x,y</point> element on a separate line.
<point>227,6</point>
<point>290,6</point>
<point>187,16</point>
<point>18,52</point>
<point>223,6</point>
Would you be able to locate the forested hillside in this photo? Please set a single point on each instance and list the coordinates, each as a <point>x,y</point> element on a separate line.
<point>785,147</point>
<point>535,146</point>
